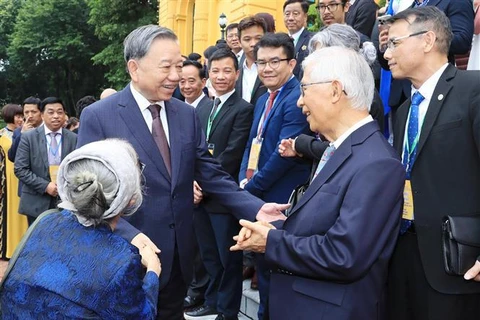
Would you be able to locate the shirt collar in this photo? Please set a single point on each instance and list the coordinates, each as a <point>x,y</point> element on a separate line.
<point>297,34</point>
<point>47,131</point>
<point>347,133</point>
<point>142,102</point>
<point>224,97</point>
<point>428,87</point>
<point>197,101</point>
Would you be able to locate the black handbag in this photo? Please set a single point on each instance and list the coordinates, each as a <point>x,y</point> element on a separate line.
<point>295,197</point>
<point>461,243</point>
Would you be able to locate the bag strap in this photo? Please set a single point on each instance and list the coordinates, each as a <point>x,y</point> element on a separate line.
<point>20,246</point>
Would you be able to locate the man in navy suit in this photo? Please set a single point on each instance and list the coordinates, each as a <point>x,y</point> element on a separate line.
<point>295,15</point>
<point>171,146</point>
<point>329,258</point>
<point>264,172</point>
<point>438,137</point>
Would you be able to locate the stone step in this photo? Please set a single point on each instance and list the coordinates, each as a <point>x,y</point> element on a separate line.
<point>250,301</point>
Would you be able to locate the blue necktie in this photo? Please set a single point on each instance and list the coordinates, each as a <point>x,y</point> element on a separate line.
<point>412,133</point>
<point>327,154</point>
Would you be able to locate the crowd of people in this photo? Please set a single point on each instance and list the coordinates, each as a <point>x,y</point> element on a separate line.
<point>322,165</point>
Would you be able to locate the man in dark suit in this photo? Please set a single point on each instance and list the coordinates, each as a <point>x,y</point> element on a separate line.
<point>191,86</point>
<point>226,123</point>
<point>329,258</point>
<point>38,155</point>
<point>461,15</point>
<point>295,18</point>
<point>361,16</point>
<point>33,119</point>
<point>437,133</point>
<point>249,86</point>
<point>264,172</point>
<point>168,139</point>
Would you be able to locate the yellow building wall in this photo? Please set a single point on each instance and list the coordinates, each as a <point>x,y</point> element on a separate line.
<point>196,22</point>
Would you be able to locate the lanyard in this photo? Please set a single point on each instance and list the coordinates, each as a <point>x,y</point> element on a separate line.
<point>410,150</point>
<point>210,121</point>
<point>54,151</point>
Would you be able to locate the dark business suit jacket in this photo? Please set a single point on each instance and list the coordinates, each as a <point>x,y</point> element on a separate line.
<point>277,176</point>
<point>445,176</point>
<point>461,15</point>
<point>361,16</point>
<point>229,134</point>
<point>330,257</point>
<point>258,89</point>
<point>301,52</point>
<point>206,101</point>
<point>167,210</point>
<point>32,169</point>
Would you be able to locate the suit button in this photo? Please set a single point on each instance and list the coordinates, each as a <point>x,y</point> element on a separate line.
<point>174,196</point>
<point>171,225</point>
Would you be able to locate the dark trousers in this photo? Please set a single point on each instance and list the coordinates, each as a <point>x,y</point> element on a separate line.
<point>410,297</point>
<point>263,276</point>
<point>200,280</point>
<point>170,297</point>
<point>215,233</point>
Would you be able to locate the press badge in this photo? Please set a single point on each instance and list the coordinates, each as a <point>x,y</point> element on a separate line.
<point>53,170</point>
<point>407,201</point>
<point>254,153</point>
<point>211,148</point>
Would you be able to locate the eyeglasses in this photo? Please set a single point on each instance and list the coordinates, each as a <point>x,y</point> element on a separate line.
<point>332,7</point>
<point>232,36</point>
<point>141,166</point>
<point>393,43</point>
<point>303,85</point>
<point>274,63</point>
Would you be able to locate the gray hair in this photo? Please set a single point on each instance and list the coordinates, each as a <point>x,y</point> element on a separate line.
<point>100,181</point>
<point>138,42</point>
<point>343,35</point>
<point>346,66</point>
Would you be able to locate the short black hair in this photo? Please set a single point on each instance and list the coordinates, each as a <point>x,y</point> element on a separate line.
<point>303,3</point>
<point>222,54</point>
<point>82,103</point>
<point>10,110</point>
<point>72,122</point>
<point>231,26</point>
<point>249,22</point>
<point>209,51</point>
<point>428,18</point>
<point>196,64</point>
<point>50,100</point>
<point>276,40</point>
<point>32,100</point>
<point>194,56</point>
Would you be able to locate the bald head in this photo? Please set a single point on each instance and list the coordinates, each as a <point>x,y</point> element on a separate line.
<point>107,92</point>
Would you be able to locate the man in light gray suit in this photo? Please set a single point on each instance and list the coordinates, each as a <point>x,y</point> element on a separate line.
<point>38,156</point>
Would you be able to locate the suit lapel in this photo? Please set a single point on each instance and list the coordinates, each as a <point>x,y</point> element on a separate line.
<point>203,111</point>
<point>42,142</point>
<point>227,106</point>
<point>175,139</point>
<point>131,115</point>
<point>285,92</point>
<point>436,103</point>
<point>301,40</point>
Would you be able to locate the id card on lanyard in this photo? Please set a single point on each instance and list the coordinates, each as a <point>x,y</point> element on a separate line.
<point>409,153</point>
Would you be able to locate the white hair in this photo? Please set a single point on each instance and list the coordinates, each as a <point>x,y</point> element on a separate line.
<point>346,66</point>
<point>343,35</point>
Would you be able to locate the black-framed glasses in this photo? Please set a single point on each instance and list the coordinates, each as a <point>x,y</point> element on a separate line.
<point>332,7</point>
<point>393,43</point>
<point>303,85</point>
<point>141,166</point>
<point>273,63</point>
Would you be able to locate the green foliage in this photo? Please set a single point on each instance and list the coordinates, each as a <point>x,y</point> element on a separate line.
<point>50,52</point>
<point>113,20</point>
<point>314,23</point>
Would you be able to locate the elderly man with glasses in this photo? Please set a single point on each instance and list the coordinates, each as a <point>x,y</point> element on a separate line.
<point>329,259</point>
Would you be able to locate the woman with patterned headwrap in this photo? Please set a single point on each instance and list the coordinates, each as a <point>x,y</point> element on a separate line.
<point>72,265</point>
